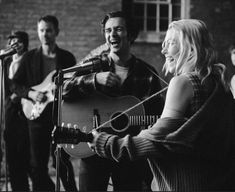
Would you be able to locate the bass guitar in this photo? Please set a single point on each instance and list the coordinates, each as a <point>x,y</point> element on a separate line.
<point>32,110</point>
<point>106,113</point>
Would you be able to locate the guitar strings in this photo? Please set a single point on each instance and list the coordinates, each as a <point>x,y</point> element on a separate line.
<point>129,109</point>
<point>141,102</point>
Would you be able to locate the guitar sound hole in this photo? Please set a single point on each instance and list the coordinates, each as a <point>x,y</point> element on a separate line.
<point>119,123</point>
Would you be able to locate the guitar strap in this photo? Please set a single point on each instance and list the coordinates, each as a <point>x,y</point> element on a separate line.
<point>154,73</point>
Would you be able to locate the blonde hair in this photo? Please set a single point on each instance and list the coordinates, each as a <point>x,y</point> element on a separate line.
<point>197,53</point>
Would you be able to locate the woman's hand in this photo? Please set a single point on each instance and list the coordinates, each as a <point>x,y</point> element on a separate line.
<point>92,143</point>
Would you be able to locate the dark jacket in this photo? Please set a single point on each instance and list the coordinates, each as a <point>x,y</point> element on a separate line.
<point>142,81</point>
<point>30,72</point>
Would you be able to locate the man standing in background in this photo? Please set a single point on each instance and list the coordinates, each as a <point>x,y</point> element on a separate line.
<point>36,66</point>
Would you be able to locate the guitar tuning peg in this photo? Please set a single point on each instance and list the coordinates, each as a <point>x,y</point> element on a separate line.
<point>84,129</point>
<point>69,125</point>
<point>62,124</point>
<point>75,126</point>
<point>72,146</point>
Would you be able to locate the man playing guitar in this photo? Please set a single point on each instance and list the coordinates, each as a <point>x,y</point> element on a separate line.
<point>35,66</point>
<point>127,75</point>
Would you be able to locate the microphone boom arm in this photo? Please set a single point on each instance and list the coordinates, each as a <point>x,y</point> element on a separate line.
<point>88,67</point>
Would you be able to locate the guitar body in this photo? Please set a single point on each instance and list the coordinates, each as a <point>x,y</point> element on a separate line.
<point>82,115</point>
<point>32,110</point>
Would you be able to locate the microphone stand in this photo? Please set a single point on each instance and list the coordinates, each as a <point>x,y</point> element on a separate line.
<point>79,71</point>
<point>2,110</point>
<point>7,52</point>
<point>57,123</point>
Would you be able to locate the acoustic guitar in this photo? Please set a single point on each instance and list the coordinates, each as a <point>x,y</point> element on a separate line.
<point>108,113</point>
<point>33,110</point>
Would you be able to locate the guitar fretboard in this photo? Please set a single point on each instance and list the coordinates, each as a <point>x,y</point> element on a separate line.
<point>142,119</point>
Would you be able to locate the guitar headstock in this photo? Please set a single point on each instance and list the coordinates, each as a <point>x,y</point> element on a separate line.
<point>69,135</point>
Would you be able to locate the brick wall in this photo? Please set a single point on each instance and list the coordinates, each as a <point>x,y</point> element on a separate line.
<point>80,24</point>
<point>79,21</point>
<point>219,16</point>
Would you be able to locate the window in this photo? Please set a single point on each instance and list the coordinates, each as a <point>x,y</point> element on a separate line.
<point>153,16</point>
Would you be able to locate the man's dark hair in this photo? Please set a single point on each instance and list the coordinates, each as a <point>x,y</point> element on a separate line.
<point>50,19</point>
<point>132,29</point>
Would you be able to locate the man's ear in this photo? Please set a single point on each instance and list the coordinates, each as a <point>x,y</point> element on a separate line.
<point>57,32</point>
<point>130,38</point>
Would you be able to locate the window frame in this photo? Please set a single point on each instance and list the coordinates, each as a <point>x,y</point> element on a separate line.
<point>158,36</point>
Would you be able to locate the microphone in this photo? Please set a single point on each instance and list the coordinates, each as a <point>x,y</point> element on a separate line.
<point>7,52</point>
<point>90,66</point>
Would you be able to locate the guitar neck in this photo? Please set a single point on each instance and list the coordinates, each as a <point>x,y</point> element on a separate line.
<point>142,120</point>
